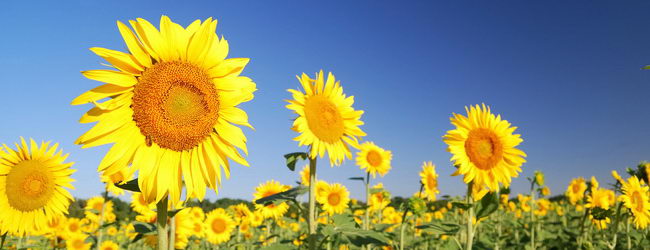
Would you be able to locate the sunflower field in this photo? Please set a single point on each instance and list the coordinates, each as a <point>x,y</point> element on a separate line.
<point>168,106</point>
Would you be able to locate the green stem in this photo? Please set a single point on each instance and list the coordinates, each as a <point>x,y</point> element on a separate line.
<point>312,203</point>
<point>161,222</point>
<point>627,232</point>
<point>2,242</point>
<point>582,228</point>
<point>172,233</point>
<point>469,240</point>
<point>366,218</point>
<point>532,215</point>
<point>101,220</point>
<point>615,228</point>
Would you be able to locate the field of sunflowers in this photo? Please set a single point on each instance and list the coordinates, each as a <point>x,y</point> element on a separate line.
<point>168,106</point>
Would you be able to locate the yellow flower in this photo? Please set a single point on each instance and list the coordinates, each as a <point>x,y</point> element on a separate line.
<point>576,190</point>
<point>96,206</point>
<point>600,224</point>
<point>542,207</point>
<point>379,200</point>
<point>559,210</point>
<point>219,225</point>
<point>602,198</point>
<point>429,179</point>
<point>617,177</point>
<point>334,199</point>
<point>373,159</point>
<point>256,218</point>
<point>184,222</point>
<point>109,245</point>
<point>546,191</point>
<point>635,197</point>
<point>241,212</point>
<point>483,148</point>
<point>539,178</point>
<point>32,181</point>
<point>77,242</point>
<point>198,229</point>
<point>112,231</point>
<point>267,189</point>
<point>326,120</point>
<point>197,213</point>
<point>304,175</point>
<point>171,108</point>
<point>524,202</point>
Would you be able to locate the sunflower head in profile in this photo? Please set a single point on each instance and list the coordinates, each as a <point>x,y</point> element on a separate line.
<point>429,179</point>
<point>269,188</point>
<point>334,198</point>
<point>576,190</point>
<point>119,177</point>
<point>33,182</point>
<point>373,159</point>
<point>483,148</point>
<point>169,106</point>
<point>219,226</point>
<point>304,175</point>
<point>326,120</point>
<point>635,198</point>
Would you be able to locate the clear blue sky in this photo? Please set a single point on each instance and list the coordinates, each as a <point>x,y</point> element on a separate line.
<point>567,73</point>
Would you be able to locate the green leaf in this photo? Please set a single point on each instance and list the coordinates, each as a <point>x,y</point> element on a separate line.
<point>108,224</point>
<point>462,205</point>
<point>440,228</point>
<point>646,67</point>
<point>357,178</point>
<point>144,228</point>
<point>600,213</point>
<point>489,203</point>
<point>290,194</point>
<point>359,237</point>
<point>292,159</point>
<point>173,213</point>
<point>137,238</point>
<point>131,185</point>
<point>343,221</point>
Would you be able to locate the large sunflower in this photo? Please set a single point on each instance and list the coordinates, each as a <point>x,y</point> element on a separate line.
<point>269,188</point>
<point>326,120</point>
<point>32,181</point>
<point>429,179</point>
<point>635,197</point>
<point>373,159</point>
<point>576,190</point>
<point>219,226</point>
<point>483,148</point>
<point>171,108</point>
<point>334,198</point>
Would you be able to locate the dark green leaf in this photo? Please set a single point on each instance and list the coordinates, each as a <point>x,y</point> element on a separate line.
<point>343,221</point>
<point>108,224</point>
<point>290,194</point>
<point>462,205</point>
<point>292,159</point>
<point>173,213</point>
<point>440,228</point>
<point>489,203</point>
<point>646,67</point>
<point>131,185</point>
<point>144,228</point>
<point>357,178</point>
<point>137,238</point>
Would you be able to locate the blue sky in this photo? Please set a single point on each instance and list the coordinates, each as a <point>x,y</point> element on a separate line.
<point>567,73</point>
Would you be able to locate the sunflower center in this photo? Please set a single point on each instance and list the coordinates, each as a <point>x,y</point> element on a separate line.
<point>324,119</point>
<point>431,181</point>
<point>218,225</point>
<point>98,206</point>
<point>484,148</point>
<point>117,177</point>
<point>78,243</point>
<point>576,188</point>
<point>175,105</point>
<point>29,185</point>
<point>197,228</point>
<point>73,227</point>
<point>374,158</point>
<point>334,199</point>
<point>637,200</point>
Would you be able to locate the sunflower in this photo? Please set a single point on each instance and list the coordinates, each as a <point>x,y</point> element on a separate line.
<point>542,207</point>
<point>601,198</point>
<point>304,175</point>
<point>116,178</point>
<point>267,189</point>
<point>72,227</point>
<point>429,179</point>
<point>256,218</point>
<point>326,120</point>
<point>374,159</point>
<point>198,229</point>
<point>545,191</point>
<point>241,212</point>
<point>334,198</point>
<point>140,205</point>
<point>380,199</point>
<point>184,226</point>
<point>524,202</point>
<point>77,242</point>
<point>576,190</point>
<point>635,197</point>
<point>97,206</point>
<point>483,148</point>
<point>197,213</point>
<point>56,225</point>
<point>171,108</point>
<point>109,245</point>
<point>32,181</point>
<point>219,225</point>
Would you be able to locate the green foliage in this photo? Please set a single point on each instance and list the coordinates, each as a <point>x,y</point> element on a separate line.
<point>488,204</point>
<point>292,159</point>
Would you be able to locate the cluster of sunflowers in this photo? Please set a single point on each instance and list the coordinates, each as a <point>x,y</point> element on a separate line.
<point>169,108</point>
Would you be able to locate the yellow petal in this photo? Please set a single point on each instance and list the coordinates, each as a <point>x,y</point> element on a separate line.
<point>112,77</point>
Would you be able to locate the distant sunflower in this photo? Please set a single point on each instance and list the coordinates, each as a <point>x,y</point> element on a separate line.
<point>542,207</point>
<point>524,202</point>
<point>171,108</point>
<point>72,227</point>
<point>380,199</point>
<point>109,245</point>
<point>219,225</point>
<point>304,175</point>
<point>326,120</point>
<point>32,181</point>
<point>601,198</point>
<point>429,179</point>
<point>116,178</point>
<point>373,159</point>
<point>198,229</point>
<point>576,190</point>
<point>77,242</point>
<point>334,198</point>
<point>267,189</point>
<point>197,213</point>
<point>483,148</point>
<point>96,206</point>
<point>635,197</point>
<point>241,212</point>
<point>183,221</point>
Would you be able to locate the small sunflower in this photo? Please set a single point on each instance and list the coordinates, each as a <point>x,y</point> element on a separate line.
<point>542,207</point>
<point>109,245</point>
<point>334,198</point>
<point>524,202</point>
<point>267,189</point>
<point>576,190</point>
<point>326,120</point>
<point>241,212</point>
<point>32,181</point>
<point>380,199</point>
<point>77,242</point>
<point>373,159</point>
<point>171,110</point>
<point>635,197</point>
<point>219,225</point>
<point>601,198</point>
<point>197,213</point>
<point>97,206</point>
<point>429,179</point>
<point>116,178</point>
<point>304,175</point>
<point>483,148</point>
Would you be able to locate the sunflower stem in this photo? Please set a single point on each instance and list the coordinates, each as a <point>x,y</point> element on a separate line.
<point>366,218</point>
<point>615,228</point>
<point>172,232</point>
<point>161,207</point>
<point>469,240</point>
<point>312,203</point>
<point>101,219</point>
<point>2,242</point>
<point>532,214</point>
